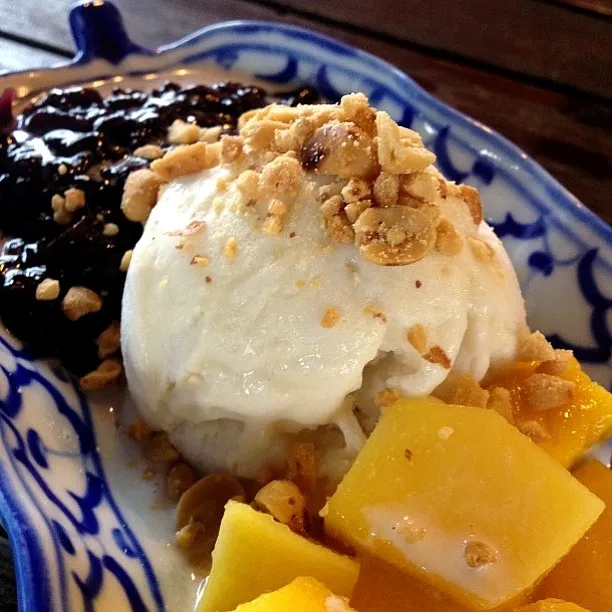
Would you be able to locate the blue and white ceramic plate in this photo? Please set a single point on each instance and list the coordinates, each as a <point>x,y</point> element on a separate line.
<point>87,531</point>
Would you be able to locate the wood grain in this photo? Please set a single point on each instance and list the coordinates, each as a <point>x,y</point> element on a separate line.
<point>568,135</point>
<point>525,36</point>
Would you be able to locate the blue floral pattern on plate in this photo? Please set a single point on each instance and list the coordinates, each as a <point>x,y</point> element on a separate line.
<point>72,544</point>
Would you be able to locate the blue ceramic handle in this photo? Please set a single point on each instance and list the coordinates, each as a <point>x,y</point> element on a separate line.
<point>99,33</point>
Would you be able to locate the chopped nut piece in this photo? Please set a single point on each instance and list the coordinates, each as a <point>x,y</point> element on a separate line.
<point>480,249</point>
<point>342,149</point>
<point>158,449</point>
<point>478,554</point>
<point>386,397</point>
<point>400,150</point>
<point>544,391</point>
<point>140,194</point>
<point>285,502</point>
<point>375,312</point>
<point>80,301</point>
<point>179,478</point>
<point>109,341</point>
<point>62,169</point>
<point>149,152</point>
<point>500,401</point>
<point>259,134</point>
<point>48,289</point>
<point>272,225</point>
<point>211,134</point>
<point>330,318</point>
<point>231,248</point>
<point>199,260</point>
<point>356,189</point>
<point>283,175</point>
<point>183,160</point>
<point>417,337</point>
<point>248,185</point>
<point>462,389</point>
<point>58,203</point>
<point>535,347</point>
<point>557,366</point>
<point>231,148</point>
<point>448,239</point>
<point>193,227</point>
<point>357,110</point>
<point>437,355</point>
<point>277,207</point>
<point>302,465</point>
<point>125,261</point>
<point>110,229</point>
<point>372,229</point>
<point>470,196</point>
<point>183,133</point>
<point>386,189</point>
<point>139,430</point>
<point>534,430</point>
<point>107,373</point>
<point>421,186</point>
<point>353,209</point>
<point>74,199</point>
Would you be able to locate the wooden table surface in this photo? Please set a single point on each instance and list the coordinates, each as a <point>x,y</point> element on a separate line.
<point>538,71</point>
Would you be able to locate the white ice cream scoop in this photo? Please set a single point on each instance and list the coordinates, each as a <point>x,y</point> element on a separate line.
<point>234,338</point>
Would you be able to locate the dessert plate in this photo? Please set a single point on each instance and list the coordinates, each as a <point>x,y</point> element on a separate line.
<point>86,531</point>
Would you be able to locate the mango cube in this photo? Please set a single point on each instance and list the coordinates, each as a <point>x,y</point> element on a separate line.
<point>302,595</point>
<point>254,555</point>
<point>585,575</point>
<point>552,605</point>
<point>570,429</point>
<point>459,498</point>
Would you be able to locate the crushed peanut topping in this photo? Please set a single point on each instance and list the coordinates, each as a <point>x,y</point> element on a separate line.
<point>48,289</point>
<point>437,355</point>
<point>535,347</point>
<point>386,189</point>
<point>386,397</point>
<point>462,389</point>
<point>231,148</point>
<point>545,391</point>
<point>534,430</point>
<point>330,317</point>
<point>285,502</point>
<point>74,199</point>
<point>500,401</point>
<point>125,261</point>
<point>199,260</point>
<point>231,248</point>
<point>185,159</point>
<point>448,240</point>
<point>183,133</point>
<point>193,227</point>
<point>374,312</point>
<point>478,554</point>
<point>110,229</point>
<point>417,337</point>
<point>107,373</point>
<point>180,478</point>
<point>149,152</point>
<point>109,341</point>
<point>356,189</point>
<point>80,301</point>
<point>481,250</point>
<point>558,365</point>
<point>302,465</point>
<point>140,194</point>
<point>139,430</point>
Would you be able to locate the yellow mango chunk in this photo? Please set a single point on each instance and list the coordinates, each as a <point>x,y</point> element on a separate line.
<point>569,430</point>
<point>302,595</point>
<point>552,605</point>
<point>254,555</point>
<point>384,588</point>
<point>459,498</point>
<point>585,575</point>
